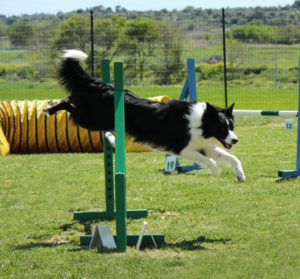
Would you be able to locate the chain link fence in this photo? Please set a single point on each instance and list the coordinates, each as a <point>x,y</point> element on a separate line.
<point>261,55</point>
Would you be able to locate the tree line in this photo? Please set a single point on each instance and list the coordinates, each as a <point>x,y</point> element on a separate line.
<point>145,45</point>
<point>276,15</point>
<point>150,43</point>
<point>257,32</point>
<point>259,24</point>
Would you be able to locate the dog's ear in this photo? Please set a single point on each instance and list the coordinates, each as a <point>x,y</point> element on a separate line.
<point>229,110</point>
<point>210,108</point>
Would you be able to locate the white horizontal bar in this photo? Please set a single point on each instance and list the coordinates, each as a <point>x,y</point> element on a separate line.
<point>288,112</point>
<point>266,112</point>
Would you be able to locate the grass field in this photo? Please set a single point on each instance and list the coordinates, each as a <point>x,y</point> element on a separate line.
<point>244,97</point>
<point>214,228</point>
<point>247,91</point>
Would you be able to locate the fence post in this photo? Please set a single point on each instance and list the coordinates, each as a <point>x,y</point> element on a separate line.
<point>92,43</point>
<point>298,131</point>
<point>224,57</point>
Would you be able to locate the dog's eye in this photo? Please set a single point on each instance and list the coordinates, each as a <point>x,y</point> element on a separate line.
<point>229,124</point>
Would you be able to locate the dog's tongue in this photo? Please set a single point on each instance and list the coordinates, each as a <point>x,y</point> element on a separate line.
<point>227,145</point>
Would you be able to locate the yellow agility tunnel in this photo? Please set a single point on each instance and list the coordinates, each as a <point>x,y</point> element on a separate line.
<point>24,128</point>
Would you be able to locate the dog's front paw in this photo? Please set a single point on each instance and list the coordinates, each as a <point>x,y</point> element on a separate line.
<point>240,175</point>
<point>45,110</point>
<point>48,106</point>
<point>215,171</point>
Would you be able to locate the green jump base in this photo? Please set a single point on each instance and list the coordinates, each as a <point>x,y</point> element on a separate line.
<point>108,215</point>
<point>289,173</point>
<point>131,239</point>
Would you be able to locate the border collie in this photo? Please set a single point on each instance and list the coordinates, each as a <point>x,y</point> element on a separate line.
<point>191,130</point>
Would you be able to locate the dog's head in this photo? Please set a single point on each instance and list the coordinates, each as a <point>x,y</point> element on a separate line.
<point>218,123</point>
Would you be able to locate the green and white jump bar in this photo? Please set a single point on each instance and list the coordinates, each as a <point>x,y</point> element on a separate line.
<point>283,173</point>
<point>266,112</point>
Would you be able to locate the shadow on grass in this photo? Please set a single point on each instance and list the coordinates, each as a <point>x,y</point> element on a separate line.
<point>286,178</point>
<point>176,172</point>
<point>196,244</point>
<point>188,245</point>
<point>33,245</point>
<point>55,241</point>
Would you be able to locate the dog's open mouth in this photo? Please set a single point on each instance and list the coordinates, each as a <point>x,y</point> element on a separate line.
<point>226,145</point>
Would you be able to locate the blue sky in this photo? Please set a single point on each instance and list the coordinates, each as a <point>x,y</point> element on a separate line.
<point>18,7</point>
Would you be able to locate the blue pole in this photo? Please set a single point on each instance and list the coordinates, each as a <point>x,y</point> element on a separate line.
<point>185,91</point>
<point>294,173</point>
<point>298,136</point>
<point>192,79</point>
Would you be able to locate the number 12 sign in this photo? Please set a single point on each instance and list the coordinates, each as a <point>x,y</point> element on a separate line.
<point>289,124</point>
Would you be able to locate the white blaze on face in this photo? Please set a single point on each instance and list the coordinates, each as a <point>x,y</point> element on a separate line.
<point>231,137</point>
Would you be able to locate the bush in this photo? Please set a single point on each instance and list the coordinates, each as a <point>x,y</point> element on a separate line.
<point>20,33</point>
<point>293,79</point>
<point>214,58</point>
<point>208,70</point>
<point>14,71</point>
<point>254,33</point>
<point>266,34</point>
<point>255,70</point>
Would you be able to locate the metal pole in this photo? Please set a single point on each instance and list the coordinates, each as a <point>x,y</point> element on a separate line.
<point>294,173</point>
<point>108,152</point>
<point>192,89</point>
<point>298,133</point>
<point>120,176</point>
<point>265,112</point>
<point>92,43</point>
<point>276,65</point>
<point>224,57</point>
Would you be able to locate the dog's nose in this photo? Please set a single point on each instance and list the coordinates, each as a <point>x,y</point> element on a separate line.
<point>234,141</point>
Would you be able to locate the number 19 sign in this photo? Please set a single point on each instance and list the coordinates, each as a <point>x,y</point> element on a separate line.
<point>170,163</point>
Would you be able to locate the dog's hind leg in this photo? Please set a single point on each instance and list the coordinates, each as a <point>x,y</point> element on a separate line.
<point>200,158</point>
<point>221,155</point>
<point>53,106</point>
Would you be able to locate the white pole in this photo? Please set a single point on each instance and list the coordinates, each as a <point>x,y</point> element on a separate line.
<point>266,112</point>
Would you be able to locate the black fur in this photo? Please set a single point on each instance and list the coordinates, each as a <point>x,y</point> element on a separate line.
<point>160,125</point>
<point>189,129</point>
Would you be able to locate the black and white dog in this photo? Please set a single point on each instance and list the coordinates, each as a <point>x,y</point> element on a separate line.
<point>191,130</point>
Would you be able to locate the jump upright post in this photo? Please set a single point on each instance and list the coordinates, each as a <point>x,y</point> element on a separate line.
<point>120,175</point>
<point>282,173</point>
<point>294,173</point>
<point>189,91</point>
<point>115,185</point>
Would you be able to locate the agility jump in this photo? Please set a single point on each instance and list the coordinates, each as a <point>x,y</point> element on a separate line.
<point>115,185</point>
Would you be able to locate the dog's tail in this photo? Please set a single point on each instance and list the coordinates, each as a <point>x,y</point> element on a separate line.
<point>70,72</point>
<point>74,54</point>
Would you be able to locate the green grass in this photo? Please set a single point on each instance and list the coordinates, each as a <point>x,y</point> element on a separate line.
<point>214,228</point>
<point>244,97</point>
<point>251,54</point>
<point>30,90</point>
<point>11,55</point>
<point>249,92</point>
<point>264,54</point>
